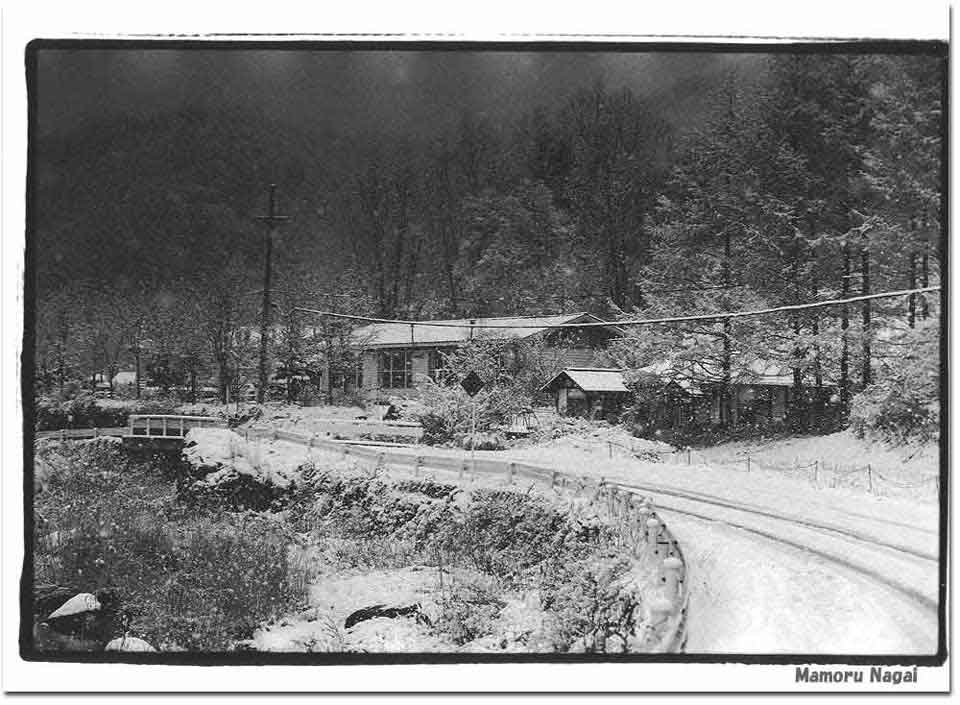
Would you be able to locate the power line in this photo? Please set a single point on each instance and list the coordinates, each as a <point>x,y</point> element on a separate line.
<point>275,290</point>
<point>631,322</point>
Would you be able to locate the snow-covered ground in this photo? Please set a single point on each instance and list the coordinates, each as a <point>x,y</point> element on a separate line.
<point>753,595</point>
<point>777,564</point>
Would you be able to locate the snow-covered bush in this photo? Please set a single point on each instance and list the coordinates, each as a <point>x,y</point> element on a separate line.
<point>468,612</point>
<point>449,415</point>
<point>52,412</point>
<point>903,404</point>
<point>592,603</point>
<point>226,469</point>
<point>512,372</point>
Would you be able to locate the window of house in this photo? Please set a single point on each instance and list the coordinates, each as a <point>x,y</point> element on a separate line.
<point>395,369</point>
<point>438,366</point>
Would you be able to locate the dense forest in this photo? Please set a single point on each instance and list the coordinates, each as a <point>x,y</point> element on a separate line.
<point>806,177</point>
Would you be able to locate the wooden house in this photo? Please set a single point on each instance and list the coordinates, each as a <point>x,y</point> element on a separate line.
<point>397,357</point>
<point>688,394</point>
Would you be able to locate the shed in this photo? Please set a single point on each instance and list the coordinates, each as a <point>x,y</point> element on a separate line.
<point>588,391</point>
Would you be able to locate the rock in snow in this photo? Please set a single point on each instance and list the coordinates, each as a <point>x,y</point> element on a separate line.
<point>82,602</point>
<point>128,643</point>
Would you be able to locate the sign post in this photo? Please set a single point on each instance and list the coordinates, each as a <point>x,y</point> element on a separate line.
<point>472,384</point>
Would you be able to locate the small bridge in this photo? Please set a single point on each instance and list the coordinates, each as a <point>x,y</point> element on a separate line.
<point>164,431</point>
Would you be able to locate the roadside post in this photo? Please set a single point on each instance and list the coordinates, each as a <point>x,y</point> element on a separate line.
<point>672,566</point>
<point>653,529</point>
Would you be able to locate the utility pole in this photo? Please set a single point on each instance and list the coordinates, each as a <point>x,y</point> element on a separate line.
<point>272,220</point>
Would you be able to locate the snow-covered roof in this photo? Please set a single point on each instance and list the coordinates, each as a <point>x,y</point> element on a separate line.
<point>125,377</point>
<point>688,374</point>
<point>458,330</point>
<point>592,379</point>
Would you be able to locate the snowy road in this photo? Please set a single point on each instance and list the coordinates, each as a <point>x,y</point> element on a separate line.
<point>781,566</point>
<point>761,584</point>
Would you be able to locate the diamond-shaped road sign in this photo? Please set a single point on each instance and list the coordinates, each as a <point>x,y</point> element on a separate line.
<point>472,383</point>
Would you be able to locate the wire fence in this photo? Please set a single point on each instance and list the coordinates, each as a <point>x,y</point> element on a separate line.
<point>819,472</point>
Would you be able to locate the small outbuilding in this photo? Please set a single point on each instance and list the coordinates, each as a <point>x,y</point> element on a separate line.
<point>595,392</point>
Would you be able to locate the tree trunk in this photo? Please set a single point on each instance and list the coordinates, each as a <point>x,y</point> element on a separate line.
<point>912,284</point>
<point>264,378</point>
<point>924,277</point>
<point>136,375</point>
<point>799,407</point>
<point>844,343</point>
<point>725,405</point>
<point>797,398</point>
<point>815,325</point>
<point>819,402</point>
<point>727,363</point>
<point>223,377</point>
<point>865,289</point>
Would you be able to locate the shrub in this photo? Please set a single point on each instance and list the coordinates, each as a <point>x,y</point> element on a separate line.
<point>467,613</point>
<point>504,533</point>
<point>482,441</point>
<point>242,415</point>
<point>428,487</point>
<point>196,579</point>
<point>450,415</point>
<point>52,413</point>
<point>591,607</point>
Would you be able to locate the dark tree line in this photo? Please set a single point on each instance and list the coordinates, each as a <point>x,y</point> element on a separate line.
<point>814,176</point>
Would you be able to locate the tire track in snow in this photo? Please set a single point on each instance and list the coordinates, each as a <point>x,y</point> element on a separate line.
<point>884,564</point>
<point>785,599</point>
<point>753,509</point>
<point>871,573</point>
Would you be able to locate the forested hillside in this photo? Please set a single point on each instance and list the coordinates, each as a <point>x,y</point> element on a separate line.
<point>788,179</point>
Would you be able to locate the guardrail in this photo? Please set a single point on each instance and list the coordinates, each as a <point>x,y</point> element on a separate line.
<point>407,429</point>
<point>80,433</point>
<point>640,526</point>
<point>361,422</point>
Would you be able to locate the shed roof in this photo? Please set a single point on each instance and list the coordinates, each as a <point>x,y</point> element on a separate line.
<point>458,330</point>
<point>592,379</point>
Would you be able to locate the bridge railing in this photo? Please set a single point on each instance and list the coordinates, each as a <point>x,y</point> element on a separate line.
<point>169,425</point>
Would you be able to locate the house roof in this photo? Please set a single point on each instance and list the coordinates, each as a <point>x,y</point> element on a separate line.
<point>458,330</point>
<point>592,379</point>
<point>689,375</point>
